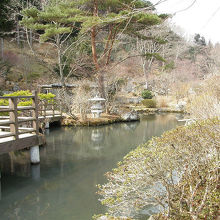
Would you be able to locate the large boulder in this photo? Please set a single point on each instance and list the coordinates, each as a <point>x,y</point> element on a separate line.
<point>130,116</point>
<point>181,105</point>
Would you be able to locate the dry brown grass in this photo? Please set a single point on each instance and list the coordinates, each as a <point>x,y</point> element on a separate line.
<point>163,101</point>
<point>206,102</point>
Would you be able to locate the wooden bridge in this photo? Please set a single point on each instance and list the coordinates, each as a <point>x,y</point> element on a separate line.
<point>20,125</point>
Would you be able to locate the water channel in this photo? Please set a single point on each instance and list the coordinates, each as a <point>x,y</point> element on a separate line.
<point>63,186</point>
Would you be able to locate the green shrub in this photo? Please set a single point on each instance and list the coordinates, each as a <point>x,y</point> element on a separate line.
<point>149,103</point>
<point>46,97</point>
<point>146,94</point>
<point>24,101</point>
<point>20,93</point>
<point>3,102</point>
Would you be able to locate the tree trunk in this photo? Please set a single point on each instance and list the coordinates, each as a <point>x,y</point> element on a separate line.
<point>93,37</point>
<point>94,53</point>
<point>108,40</point>
<point>18,34</point>
<point>101,84</point>
<point>2,48</point>
<point>31,38</point>
<point>59,56</point>
<point>145,73</point>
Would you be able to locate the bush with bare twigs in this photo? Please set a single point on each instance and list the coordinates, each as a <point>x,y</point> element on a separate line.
<point>206,102</point>
<point>177,174</point>
<point>80,101</point>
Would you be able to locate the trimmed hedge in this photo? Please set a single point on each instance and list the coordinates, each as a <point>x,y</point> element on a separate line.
<point>149,103</point>
<point>24,101</point>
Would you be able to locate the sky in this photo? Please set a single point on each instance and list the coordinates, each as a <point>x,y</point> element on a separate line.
<point>202,17</point>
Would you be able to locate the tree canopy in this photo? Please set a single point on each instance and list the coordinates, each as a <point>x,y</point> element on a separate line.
<point>101,20</point>
<point>6,24</point>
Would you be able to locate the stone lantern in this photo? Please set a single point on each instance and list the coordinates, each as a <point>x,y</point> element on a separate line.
<point>96,108</point>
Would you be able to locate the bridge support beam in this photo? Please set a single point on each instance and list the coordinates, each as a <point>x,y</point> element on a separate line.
<point>0,190</point>
<point>35,171</point>
<point>0,186</point>
<point>35,155</point>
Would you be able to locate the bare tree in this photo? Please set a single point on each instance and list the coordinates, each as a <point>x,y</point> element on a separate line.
<point>147,48</point>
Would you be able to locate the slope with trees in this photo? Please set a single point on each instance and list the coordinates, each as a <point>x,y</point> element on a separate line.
<point>103,21</point>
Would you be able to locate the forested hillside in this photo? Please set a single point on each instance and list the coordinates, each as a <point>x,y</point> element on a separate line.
<point>66,42</point>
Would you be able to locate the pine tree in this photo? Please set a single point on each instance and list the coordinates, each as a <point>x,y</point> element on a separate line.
<point>6,24</point>
<point>103,19</point>
<point>56,21</point>
<point>113,18</point>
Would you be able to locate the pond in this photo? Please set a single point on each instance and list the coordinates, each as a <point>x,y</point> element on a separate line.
<point>63,186</point>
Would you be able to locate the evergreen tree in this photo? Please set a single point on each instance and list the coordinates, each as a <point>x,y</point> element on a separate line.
<point>105,20</point>
<point>102,19</point>
<point>112,18</point>
<point>56,23</point>
<point>6,24</point>
<point>199,40</point>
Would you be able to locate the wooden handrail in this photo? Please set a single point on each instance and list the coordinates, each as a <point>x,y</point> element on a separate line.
<point>6,109</point>
<point>18,97</point>
<point>6,122</point>
<point>40,109</point>
<point>14,120</point>
<point>35,113</point>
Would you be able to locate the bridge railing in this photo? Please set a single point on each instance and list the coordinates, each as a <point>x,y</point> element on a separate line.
<point>49,109</point>
<point>18,120</point>
<point>12,122</point>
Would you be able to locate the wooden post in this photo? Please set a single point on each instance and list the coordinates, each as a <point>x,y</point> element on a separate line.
<point>35,151</point>
<point>0,187</point>
<point>60,107</point>
<point>44,109</point>
<point>35,155</point>
<point>47,124</point>
<point>41,107</point>
<point>35,172</point>
<point>13,116</point>
<point>35,113</point>
<point>2,48</point>
<point>53,109</point>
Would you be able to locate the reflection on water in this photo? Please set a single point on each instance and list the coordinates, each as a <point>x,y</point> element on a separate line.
<point>63,186</point>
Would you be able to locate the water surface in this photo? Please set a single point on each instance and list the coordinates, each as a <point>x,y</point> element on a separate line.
<point>63,186</point>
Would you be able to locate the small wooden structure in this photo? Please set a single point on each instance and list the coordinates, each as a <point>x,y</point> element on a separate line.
<point>14,132</point>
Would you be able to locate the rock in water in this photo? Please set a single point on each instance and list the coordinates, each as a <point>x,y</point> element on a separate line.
<point>130,116</point>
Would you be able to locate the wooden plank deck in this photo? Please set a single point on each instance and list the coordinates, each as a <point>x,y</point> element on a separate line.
<point>25,141</point>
